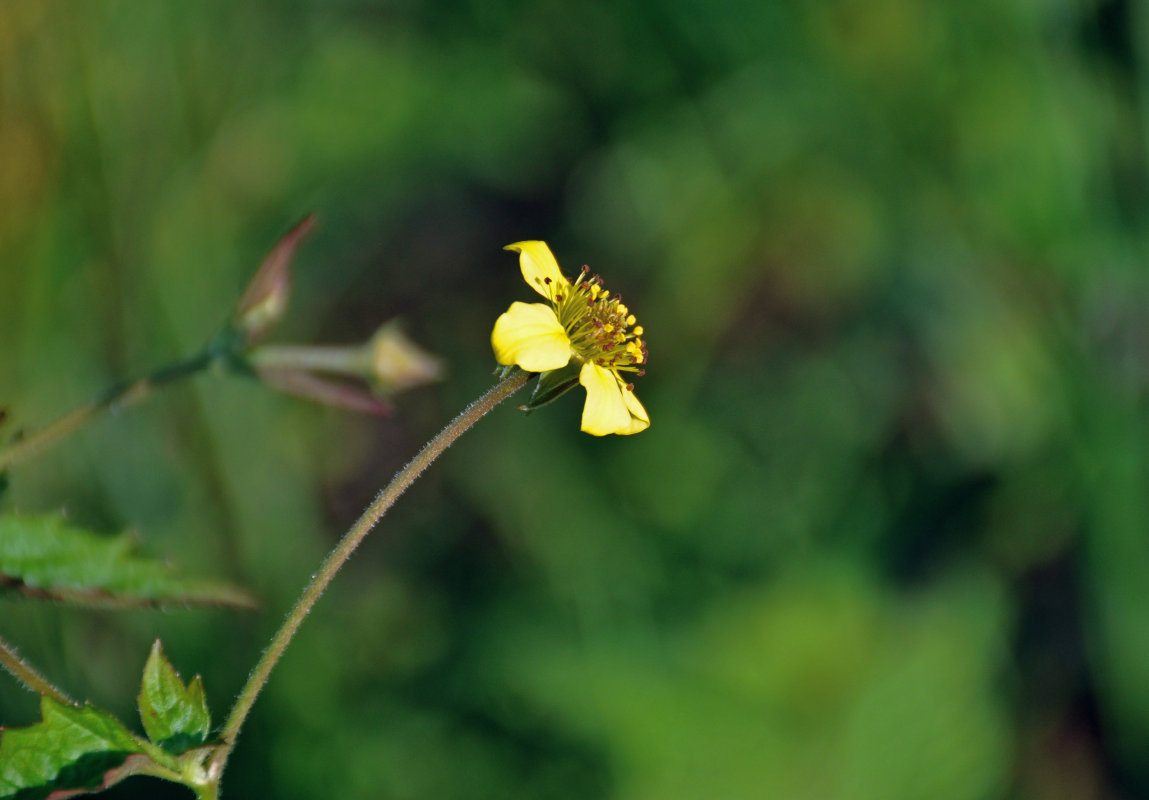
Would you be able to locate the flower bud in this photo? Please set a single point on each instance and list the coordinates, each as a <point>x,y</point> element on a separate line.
<point>267,296</point>
<point>397,364</point>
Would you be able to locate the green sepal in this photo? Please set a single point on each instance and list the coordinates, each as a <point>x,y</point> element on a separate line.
<point>553,384</point>
<point>175,716</point>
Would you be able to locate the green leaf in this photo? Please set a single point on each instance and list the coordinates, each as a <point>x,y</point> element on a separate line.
<point>73,750</point>
<point>175,716</point>
<point>44,557</point>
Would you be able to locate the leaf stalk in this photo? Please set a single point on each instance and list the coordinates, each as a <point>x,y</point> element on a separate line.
<point>25,673</point>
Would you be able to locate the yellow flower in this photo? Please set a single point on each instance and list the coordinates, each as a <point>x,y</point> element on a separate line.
<point>583,325</point>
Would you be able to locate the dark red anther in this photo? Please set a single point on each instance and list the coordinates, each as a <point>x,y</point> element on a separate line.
<point>546,280</point>
<point>630,387</point>
<point>641,372</point>
<point>558,298</point>
<point>585,269</point>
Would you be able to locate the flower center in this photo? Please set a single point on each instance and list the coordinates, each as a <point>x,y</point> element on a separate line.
<point>601,329</point>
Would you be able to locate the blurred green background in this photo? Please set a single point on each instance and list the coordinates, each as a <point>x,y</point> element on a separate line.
<point>887,536</point>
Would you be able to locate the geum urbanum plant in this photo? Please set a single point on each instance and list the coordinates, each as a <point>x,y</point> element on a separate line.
<point>581,335</point>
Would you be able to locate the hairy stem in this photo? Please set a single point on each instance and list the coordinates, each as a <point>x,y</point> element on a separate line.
<point>117,397</point>
<point>338,557</point>
<point>27,675</point>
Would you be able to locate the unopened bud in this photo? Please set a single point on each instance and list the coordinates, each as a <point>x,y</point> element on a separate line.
<point>398,364</point>
<point>388,362</point>
<point>269,292</point>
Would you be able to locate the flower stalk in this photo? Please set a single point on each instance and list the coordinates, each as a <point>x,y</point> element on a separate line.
<point>510,384</point>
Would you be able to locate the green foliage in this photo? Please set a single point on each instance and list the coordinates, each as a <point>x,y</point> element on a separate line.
<point>80,749</point>
<point>175,716</point>
<point>71,749</point>
<point>46,558</point>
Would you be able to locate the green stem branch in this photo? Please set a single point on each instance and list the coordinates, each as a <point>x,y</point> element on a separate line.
<point>352,360</point>
<point>27,675</point>
<point>338,557</point>
<point>117,397</point>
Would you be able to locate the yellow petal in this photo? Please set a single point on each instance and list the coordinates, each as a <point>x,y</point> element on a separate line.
<point>639,419</point>
<point>606,410</point>
<point>540,270</point>
<point>529,334</point>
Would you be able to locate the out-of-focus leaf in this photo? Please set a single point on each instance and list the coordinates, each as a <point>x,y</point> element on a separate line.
<point>43,557</point>
<point>72,750</point>
<point>174,715</point>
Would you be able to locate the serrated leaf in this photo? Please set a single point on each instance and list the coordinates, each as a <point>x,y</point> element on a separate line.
<point>44,557</point>
<point>72,750</point>
<point>175,716</point>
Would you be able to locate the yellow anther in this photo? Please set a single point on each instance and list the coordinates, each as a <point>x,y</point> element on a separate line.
<point>622,310</point>
<point>608,327</point>
<point>638,330</point>
<point>594,290</point>
<point>630,320</point>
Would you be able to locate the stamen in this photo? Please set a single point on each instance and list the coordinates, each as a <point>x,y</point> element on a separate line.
<point>603,331</point>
